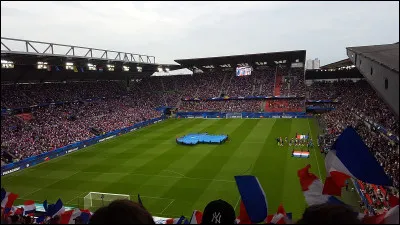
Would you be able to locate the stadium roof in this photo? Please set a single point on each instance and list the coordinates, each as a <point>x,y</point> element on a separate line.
<point>260,59</point>
<point>386,55</point>
<point>26,52</point>
<point>338,64</point>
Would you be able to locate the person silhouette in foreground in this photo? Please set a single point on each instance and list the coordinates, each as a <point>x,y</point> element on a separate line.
<point>122,211</point>
<point>329,214</point>
<point>218,212</point>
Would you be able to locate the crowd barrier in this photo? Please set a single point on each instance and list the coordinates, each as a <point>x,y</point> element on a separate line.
<point>31,161</point>
<point>243,115</point>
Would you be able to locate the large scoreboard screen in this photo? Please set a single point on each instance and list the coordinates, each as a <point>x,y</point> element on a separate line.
<point>243,71</point>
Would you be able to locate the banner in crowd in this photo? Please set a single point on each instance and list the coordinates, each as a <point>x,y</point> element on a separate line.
<point>241,98</point>
<point>319,108</point>
<point>31,161</point>
<point>256,115</point>
<point>322,101</point>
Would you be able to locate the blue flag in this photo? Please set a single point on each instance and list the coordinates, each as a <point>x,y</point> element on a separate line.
<point>253,198</point>
<point>181,219</point>
<point>40,219</point>
<point>54,209</point>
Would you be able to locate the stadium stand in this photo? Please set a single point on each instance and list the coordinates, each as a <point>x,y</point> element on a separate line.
<point>40,117</point>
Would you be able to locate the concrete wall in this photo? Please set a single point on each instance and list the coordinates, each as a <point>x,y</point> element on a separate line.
<point>384,80</point>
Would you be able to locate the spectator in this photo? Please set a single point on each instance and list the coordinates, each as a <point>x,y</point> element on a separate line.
<point>329,214</point>
<point>218,212</point>
<point>122,212</point>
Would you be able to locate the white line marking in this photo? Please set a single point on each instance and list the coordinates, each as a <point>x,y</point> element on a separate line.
<point>167,206</point>
<point>237,203</point>
<point>48,185</point>
<point>78,196</point>
<point>315,152</point>
<point>155,197</point>
<point>171,171</point>
<point>155,175</point>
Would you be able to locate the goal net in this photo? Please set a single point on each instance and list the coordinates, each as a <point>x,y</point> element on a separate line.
<point>234,115</point>
<point>95,200</point>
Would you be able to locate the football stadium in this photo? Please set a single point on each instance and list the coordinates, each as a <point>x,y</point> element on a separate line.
<point>256,134</point>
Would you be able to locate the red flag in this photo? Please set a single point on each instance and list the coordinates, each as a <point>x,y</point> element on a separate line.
<point>243,217</point>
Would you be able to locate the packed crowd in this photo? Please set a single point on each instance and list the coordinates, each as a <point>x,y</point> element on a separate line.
<point>376,196</point>
<point>59,125</point>
<point>359,97</point>
<point>284,105</point>
<point>25,95</point>
<point>239,86</point>
<point>292,82</point>
<point>221,106</point>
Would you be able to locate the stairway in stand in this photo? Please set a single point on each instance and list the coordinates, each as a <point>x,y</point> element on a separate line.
<point>278,84</point>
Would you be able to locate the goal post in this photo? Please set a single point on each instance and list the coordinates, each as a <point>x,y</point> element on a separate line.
<point>234,115</point>
<point>95,200</point>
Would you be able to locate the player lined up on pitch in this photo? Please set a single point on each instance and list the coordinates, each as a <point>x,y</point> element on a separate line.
<point>298,140</point>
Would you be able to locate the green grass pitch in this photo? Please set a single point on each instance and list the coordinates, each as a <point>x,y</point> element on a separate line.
<point>173,179</point>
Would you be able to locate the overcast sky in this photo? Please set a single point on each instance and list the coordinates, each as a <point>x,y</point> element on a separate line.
<point>178,30</point>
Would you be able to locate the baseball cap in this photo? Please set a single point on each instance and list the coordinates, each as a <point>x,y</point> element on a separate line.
<point>218,212</point>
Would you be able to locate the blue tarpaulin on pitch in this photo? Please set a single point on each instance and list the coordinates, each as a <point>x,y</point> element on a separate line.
<point>192,139</point>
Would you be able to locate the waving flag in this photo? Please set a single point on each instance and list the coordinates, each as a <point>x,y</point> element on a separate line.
<point>7,199</point>
<point>69,217</point>
<point>243,217</point>
<point>196,217</point>
<point>176,220</point>
<point>350,157</point>
<point>253,198</point>
<point>29,207</point>
<point>279,218</point>
<point>54,209</point>
<point>312,188</point>
<point>14,211</point>
<point>40,219</point>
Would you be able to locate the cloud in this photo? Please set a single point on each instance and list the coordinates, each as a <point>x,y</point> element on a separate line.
<point>171,30</point>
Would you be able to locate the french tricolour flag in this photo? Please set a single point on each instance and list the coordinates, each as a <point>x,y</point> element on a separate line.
<point>68,217</point>
<point>54,209</point>
<point>29,207</point>
<point>196,217</point>
<point>243,217</point>
<point>254,202</point>
<point>350,157</point>
<point>279,218</point>
<point>312,188</point>
<point>179,220</point>
<point>7,199</point>
<point>14,211</point>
